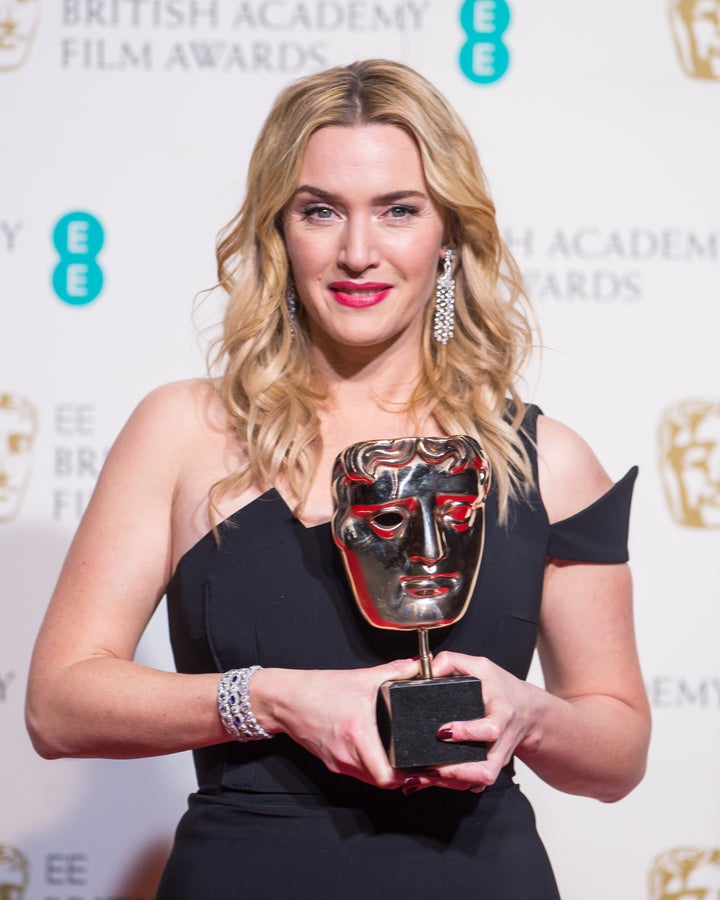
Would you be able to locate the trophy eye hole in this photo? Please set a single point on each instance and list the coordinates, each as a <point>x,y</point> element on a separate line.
<point>388,523</point>
<point>697,457</point>
<point>458,516</point>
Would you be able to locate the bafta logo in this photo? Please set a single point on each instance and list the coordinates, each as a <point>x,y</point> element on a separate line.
<point>18,23</point>
<point>696,33</point>
<point>18,426</point>
<point>689,439</point>
<point>685,873</point>
<point>14,873</point>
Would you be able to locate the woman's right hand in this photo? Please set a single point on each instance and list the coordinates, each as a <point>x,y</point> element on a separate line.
<point>332,713</point>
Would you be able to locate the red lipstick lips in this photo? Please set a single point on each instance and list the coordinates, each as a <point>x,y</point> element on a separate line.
<point>359,296</point>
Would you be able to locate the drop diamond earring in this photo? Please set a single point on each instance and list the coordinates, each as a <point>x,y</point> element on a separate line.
<point>445,302</point>
<point>291,301</point>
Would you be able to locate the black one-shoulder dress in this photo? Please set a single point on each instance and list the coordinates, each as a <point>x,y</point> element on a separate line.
<point>268,819</point>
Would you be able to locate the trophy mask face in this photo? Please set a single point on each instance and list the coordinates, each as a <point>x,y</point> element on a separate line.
<point>17,434</point>
<point>18,22</point>
<point>409,522</point>
<point>696,30</point>
<point>690,462</point>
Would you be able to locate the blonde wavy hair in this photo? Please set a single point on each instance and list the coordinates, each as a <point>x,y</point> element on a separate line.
<point>268,383</point>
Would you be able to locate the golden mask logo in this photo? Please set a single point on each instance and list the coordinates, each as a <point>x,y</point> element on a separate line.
<point>685,873</point>
<point>689,439</point>
<point>696,33</point>
<point>14,873</point>
<point>18,426</point>
<point>18,23</point>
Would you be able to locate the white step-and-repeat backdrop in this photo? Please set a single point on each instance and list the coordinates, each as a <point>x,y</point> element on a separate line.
<point>125,130</point>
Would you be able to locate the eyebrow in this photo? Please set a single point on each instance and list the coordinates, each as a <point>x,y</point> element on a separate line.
<point>391,197</point>
<point>364,510</point>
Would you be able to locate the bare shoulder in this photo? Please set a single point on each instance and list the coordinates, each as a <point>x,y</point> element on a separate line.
<point>147,460</point>
<point>182,405</point>
<point>168,421</point>
<point>125,536</point>
<point>570,474</point>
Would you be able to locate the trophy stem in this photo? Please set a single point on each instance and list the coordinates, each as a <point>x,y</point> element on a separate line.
<point>425,658</point>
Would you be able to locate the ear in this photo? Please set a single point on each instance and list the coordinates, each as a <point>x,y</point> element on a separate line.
<point>447,253</point>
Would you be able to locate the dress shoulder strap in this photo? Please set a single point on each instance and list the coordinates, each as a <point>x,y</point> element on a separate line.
<point>598,533</point>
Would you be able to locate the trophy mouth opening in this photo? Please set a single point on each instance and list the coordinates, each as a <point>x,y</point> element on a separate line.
<point>424,587</point>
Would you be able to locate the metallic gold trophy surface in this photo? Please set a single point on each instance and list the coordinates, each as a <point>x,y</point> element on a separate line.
<point>409,523</point>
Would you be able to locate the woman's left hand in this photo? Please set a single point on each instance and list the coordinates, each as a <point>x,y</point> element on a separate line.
<point>509,717</point>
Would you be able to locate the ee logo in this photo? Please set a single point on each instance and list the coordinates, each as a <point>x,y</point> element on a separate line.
<point>484,57</point>
<point>78,238</point>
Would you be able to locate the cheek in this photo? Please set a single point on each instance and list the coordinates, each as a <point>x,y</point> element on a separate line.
<point>308,256</point>
<point>464,546</point>
<point>425,262</point>
<point>420,252</point>
<point>377,555</point>
<point>295,253</point>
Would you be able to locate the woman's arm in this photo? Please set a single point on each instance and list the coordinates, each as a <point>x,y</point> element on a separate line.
<point>588,731</point>
<point>85,695</point>
<point>87,698</point>
<point>591,734</point>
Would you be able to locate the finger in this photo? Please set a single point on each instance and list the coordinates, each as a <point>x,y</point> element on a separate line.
<point>399,670</point>
<point>450,663</point>
<point>483,730</point>
<point>413,784</point>
<point>467,777</point>
<point>374,760</point>
<point>463,776</point>
<point>419,779</point>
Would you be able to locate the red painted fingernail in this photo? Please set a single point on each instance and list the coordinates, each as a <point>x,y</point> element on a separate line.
<point>445,734</point>
<point>411,785</point>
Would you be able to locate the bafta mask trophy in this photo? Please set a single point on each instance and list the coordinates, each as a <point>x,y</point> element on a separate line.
<point>409,523</point>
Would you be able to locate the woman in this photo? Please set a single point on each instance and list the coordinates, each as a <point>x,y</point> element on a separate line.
<point>364,190</point>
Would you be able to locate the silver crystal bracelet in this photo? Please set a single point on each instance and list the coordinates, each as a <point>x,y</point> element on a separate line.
<point>234,706</point>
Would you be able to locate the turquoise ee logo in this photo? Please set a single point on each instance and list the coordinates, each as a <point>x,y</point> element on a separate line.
<point>78,238</point>
<point>484,58</point>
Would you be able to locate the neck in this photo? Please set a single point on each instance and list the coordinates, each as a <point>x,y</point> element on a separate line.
<point>376,384</point>
<point>386,374</point>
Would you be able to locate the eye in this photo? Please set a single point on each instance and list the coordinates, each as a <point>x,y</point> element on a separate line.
<point>318,211</point>
<point>459,515</point>
<point>388,523</point>
<point>400,211</point>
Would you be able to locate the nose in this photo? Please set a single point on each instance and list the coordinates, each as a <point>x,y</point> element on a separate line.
<point>425,539</point>
<point>358,249</point>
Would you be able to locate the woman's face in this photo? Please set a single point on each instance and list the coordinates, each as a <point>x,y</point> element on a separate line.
<point>363,237</point>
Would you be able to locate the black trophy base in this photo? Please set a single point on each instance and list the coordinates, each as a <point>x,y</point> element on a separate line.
<point>410,713</point>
